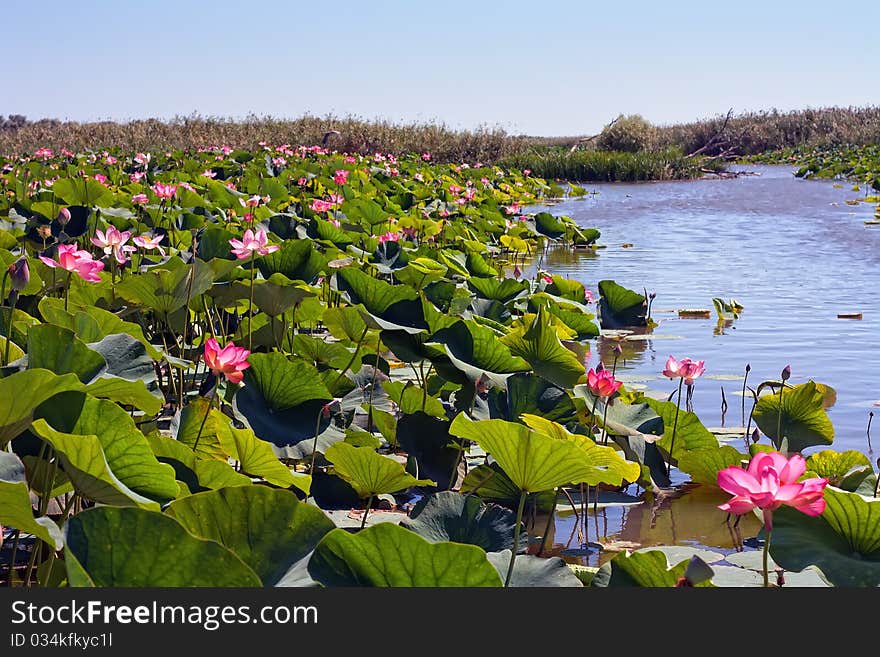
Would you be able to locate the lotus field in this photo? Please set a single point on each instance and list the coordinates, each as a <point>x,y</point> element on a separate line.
<point>297,367</point>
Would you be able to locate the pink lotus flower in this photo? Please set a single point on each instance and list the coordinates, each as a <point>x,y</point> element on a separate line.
<point>455,189</point>
<point>149,243</point>
<point>139,199</point>
<point>114,242</point>
<point>349,160</point>
<point>512,209</point>
<point>602,382</point>
<point>336,199</point>
<point>771,481</point>
<point>231,361</point>
<point>320,206</point>
<point>164,191</point>
<point>137,176</point>
<point>340,176</point>
<point>72,260</point>
<point>252,202</point>
<point>142,158</point>
<point>336,222</point>
<point>252,244</point>
<point>110,160</point>
<point>588,296</point>
<point>67,153</point>
<point>43,153</point>
<point>63,216</point>
<point>547,279</point>
<point>101,178</point>
<point>686,369</point>
<point>389,237</point>
<point>426,156</point>
<point>527,172</point>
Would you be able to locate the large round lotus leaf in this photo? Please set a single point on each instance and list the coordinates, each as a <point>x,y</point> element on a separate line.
<point>450,516</point>
<point>368,472</point>
<point>532,571</point>
<point>427,439</point>
<point>620,307</point>
<point>476,351</point>
<point>15,503</point>
<point>59,350</point>
<point>538,343</point>
<point>529,393</point>
<point>282,399</point>
<point>844,542</point>
<point>804,420</point>
<point>389,555</point>
<point>690,434</point>
<point>533,461</point>
<point>168,288</point>
<point>127,452</point>
<point>703,465</point>
<point>270,530</point>
<point>22,392</point>
<point>846,470</point>
<point>124,547</point>
<point>649,568</point>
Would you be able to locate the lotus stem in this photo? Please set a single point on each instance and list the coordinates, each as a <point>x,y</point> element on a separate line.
<point>766,557</point>
<point>779,418</point>
<point>604,419</point>
<point>315,442</point>
<point>210,399</point>
<point>351,361</point>
<point>67,289</point>
<point>516,531</point>
<point>367,511</point>
<point>12,556</point>
<point>549,521</point>
<point>674,429</point>
<point>251,305</point>
<point>12,301</point>
<point>745,379</point>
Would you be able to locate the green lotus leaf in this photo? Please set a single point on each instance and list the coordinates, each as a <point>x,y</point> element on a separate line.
<point>703,465</point>
<point>502,290</point>
<point>22,392</point>
<point>533,461</point>
<point>125,547</point>
<point>645,568</point>
<point>529,393</point>
<point>476,351</point>
<point>539,345</point>
<point>368,472</point>
<point>388,307</point>
<point>345,323</point>
<point>610,467</point>
<point>83,191</point>
<point>59,350</point>
<point>847,470</point>
<point>21,324</point>
<point>843,543</point>
<point>214,243</point>
<point>278,295</point>
<point>166,290</point>
<point>804,420</point>
<point>531,571</point>
<point>281,399</point>
<point>268,529</point>
<point>298,260</point>
<point>493,485</point>
<point>620,307</point>
<point>427,439</point>
<point>690,434</point>
<point>126,450</point>
<point>389,555</point>
<point>198,474</point>
<point>256,457</point>
<point>567,289</point>
<point>450,516</point>
<point>477,266</point>
<point>82,457</point>
<point>15,503</point>
<point>547,224</point>
<point>411,399</point>
<point>198,416</point>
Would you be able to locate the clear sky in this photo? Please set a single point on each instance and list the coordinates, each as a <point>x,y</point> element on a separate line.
<point>542,68</point>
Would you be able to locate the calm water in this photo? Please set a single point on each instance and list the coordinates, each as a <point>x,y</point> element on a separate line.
<point>791,251</point>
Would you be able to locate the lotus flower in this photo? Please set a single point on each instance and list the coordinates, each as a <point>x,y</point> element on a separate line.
<point>340,176</point>
<point>164,191</point>
<point>771,481</point>
<point>686,369</point>
<point>19,274</point>
<point>149,243</point>
<point>389,237</point>
<point>251,244</point>
<point>230,361</point>
<point>320,206</point>
<point>114,241</point>
<point>602,383</point>
<point>72,260</point>
<point>63,216</point>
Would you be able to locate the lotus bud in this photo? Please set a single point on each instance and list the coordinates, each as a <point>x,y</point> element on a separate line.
<point>755,436</point>
<point>786,373</point>
<point>63,216</point>
<point>748,367</point>
<point>652,296</point>
<point>19,274</point>
<point>618,349</point>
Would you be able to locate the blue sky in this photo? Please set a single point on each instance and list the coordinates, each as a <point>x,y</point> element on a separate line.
<point>548,68</point>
